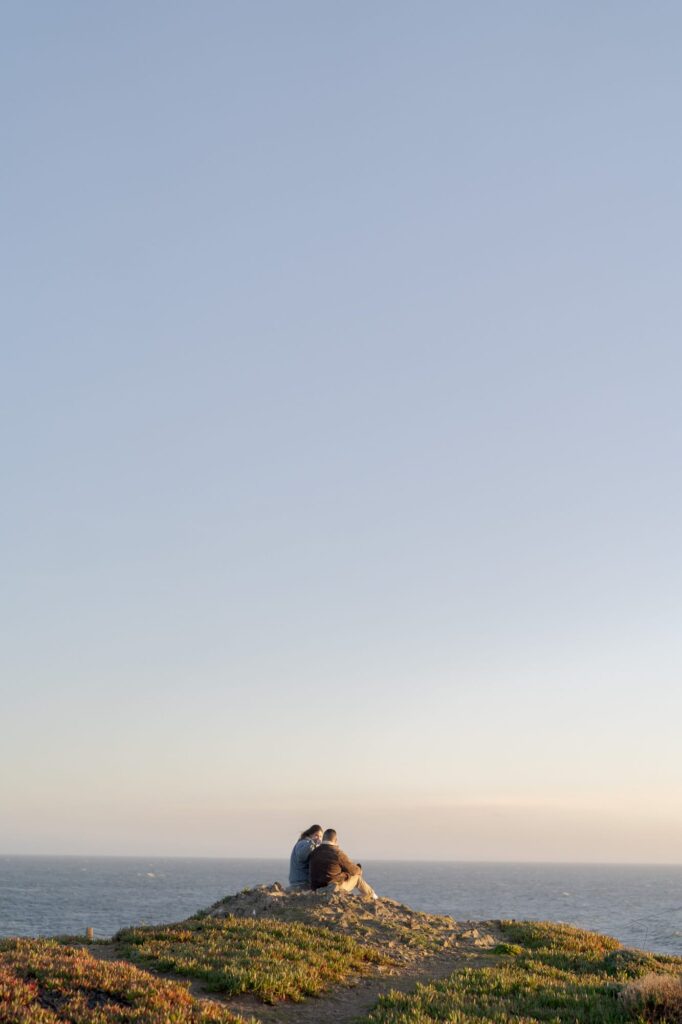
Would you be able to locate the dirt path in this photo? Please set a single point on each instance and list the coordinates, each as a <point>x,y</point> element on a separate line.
<point>344,1004</point>
<point>348,1002</point>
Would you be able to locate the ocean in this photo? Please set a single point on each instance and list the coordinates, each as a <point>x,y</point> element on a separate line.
<point>640,905</point>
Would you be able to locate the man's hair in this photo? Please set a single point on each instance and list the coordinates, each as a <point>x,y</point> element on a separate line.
<point>311,831</point>
<point>329,835</point>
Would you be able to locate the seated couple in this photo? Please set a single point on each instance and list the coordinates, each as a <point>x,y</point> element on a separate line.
<point>318,861</point>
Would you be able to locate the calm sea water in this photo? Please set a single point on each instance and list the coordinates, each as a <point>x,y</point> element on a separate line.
<point>640,905</point>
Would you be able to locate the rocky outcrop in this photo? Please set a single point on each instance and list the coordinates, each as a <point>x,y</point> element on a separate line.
<point>409,934</point>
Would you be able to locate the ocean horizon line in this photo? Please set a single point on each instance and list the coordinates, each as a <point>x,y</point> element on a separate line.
<point>388,860</point>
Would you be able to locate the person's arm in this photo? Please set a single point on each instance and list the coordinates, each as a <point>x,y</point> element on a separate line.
<point>347,864</point>
<point>302,850</point>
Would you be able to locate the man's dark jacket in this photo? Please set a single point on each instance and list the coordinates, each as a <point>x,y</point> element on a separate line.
<point>328,863</point>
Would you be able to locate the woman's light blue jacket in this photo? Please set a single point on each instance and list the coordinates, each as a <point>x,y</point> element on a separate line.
<point>298,865</point>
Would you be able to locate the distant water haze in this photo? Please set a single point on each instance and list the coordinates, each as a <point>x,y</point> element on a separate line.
<point>485,832</point>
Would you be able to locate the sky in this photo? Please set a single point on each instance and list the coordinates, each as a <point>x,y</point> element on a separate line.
<point>341,428</point>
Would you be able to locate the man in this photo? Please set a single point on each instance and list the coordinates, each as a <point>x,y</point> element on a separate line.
<point>329,865</point>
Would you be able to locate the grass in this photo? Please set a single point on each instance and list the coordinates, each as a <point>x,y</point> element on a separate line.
<point>45,982</point>
<point>550,973</point>
<point>542,973</point>
<point>274,960</point>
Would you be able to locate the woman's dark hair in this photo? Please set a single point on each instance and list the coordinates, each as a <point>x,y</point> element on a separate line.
<point>311,831</point>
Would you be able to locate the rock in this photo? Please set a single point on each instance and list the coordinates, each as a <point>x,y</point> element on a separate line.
<point>410,935</point>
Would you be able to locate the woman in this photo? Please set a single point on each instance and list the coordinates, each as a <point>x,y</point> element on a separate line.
<point>300,855</point>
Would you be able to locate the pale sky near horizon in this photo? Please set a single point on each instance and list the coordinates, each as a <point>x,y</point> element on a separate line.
<point>341,428</point>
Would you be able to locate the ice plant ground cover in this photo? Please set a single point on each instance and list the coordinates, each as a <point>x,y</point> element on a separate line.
<point>272,959</point>
<point>529,973</point>
<point>45,982</point>
<point>549,973</point>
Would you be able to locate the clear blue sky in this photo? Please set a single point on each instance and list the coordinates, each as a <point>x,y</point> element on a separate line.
<point>341,427</point>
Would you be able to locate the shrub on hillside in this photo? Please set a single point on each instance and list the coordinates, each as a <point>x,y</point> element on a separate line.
<point>43,982</point>
<point>655,997</point>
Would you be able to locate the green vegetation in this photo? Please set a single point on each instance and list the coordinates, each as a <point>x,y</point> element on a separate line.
<point>45,982</point>
<point>540,973</point>
<point>552,974</point>
<point>272,959</point>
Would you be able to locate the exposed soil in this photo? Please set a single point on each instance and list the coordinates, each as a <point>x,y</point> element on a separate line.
<point>52,999</point>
